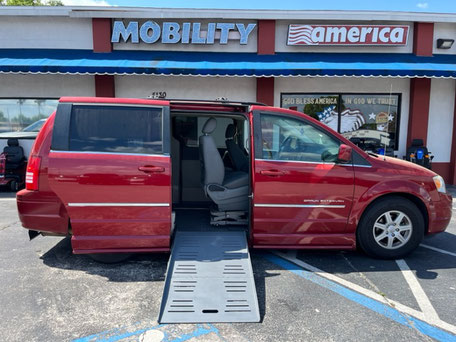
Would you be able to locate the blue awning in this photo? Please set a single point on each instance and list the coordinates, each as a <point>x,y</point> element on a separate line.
<point>225,64</point>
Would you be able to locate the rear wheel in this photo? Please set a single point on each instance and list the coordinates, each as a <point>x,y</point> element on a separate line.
<point>14,186</point>
<point>110,258</point>
<point>391,228</point>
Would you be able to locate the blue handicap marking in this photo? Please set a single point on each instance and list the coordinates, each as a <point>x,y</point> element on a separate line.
<point>169,336</point>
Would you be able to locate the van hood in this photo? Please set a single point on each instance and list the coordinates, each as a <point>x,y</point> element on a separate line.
<point>399,164</point>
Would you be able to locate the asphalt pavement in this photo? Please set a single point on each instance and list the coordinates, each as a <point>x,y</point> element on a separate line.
<point>49,294</point>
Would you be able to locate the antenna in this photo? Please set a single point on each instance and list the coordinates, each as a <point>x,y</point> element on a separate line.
<point>387,121</point>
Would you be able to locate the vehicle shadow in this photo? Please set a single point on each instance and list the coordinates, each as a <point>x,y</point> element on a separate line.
<point>140,267</point>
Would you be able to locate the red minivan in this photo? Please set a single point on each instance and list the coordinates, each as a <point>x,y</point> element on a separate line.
<point>122,175</point>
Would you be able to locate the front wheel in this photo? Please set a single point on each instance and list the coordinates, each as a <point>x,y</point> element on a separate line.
<point>391,228</point>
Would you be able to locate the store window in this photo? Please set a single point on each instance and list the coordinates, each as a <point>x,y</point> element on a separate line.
<point>369,120</point>
<point>25,114</point>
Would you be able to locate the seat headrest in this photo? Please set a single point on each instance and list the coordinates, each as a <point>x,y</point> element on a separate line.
<point>417,142</point>
<point>13,142</point>
<point>209,126</point>
<point>230,131</point>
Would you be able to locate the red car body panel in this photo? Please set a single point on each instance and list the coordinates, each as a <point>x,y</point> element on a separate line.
<point>107,184</point>
<point>94,178</point>
<point>43,210</point>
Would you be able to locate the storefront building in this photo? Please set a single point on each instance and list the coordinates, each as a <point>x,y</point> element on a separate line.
<point>389,76</point>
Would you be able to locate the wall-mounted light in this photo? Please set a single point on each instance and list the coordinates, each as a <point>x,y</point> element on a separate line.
<point>444,43</point>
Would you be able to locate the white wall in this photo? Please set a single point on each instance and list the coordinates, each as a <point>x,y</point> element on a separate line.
<point>444,30</point>
<point>45,33</point>
<point>188,87</point>
<point>282,36</point>
<point>351,85</point>
<point>440,125</point>
<point>46,86</point>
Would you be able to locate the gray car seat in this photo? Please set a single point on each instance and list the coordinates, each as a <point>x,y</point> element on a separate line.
<point>228,191</point>
<point>237,156</point>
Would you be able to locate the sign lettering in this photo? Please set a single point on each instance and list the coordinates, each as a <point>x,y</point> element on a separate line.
<point>186,33</point>
<point>347,34</point>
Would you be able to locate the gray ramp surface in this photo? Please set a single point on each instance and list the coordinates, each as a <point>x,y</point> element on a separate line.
<point>209,279</point>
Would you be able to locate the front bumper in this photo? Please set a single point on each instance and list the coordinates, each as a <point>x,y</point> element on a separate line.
<point>440,215</point>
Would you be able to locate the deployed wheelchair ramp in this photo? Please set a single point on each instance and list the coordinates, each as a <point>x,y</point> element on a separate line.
<point>209,279</point>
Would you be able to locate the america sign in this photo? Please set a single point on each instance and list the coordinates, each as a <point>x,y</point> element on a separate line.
<point>347,34</point>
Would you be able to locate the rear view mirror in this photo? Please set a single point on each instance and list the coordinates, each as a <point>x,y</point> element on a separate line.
<point>344,155</point>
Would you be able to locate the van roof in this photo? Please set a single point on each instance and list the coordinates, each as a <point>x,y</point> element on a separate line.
<point>178,104</point>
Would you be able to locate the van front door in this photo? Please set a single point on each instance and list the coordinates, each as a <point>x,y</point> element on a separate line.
<point>110,165</point>
<point>302,196</point>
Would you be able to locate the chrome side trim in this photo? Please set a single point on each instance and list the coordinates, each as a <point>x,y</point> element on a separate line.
<point>270,205</point>
<point>293,161</point>
<point>115,153</point>
<point>118,204</point>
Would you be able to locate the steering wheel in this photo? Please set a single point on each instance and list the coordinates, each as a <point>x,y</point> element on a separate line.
<point>267,148</point>
<point>287,145</point>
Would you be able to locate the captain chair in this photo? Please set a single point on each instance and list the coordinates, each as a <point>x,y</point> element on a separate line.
<point>228,191</point>
<point>15,157</point>
<point>237,156</point>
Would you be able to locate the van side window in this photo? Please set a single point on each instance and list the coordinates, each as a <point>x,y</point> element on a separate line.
<point>285,138</point>
<point>116,129</point>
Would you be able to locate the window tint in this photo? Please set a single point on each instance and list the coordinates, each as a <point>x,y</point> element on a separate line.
<point>116,129</point>
<point>290,139</point>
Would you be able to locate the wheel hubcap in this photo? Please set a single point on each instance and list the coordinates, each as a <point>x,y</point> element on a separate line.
<point>392,229</point>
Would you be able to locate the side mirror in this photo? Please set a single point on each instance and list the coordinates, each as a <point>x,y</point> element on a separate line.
<point>344,155</point>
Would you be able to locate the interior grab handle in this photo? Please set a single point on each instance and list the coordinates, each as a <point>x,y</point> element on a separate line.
<point>149,168</point>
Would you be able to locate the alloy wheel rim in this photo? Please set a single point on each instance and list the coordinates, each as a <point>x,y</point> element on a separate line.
<point>392,229</point>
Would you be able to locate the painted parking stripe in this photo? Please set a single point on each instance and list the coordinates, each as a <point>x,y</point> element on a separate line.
<point>438,249</point>
<point>8,199</point>
<point>421,298</point>
<point>381,308</point>
<point>113,336</point>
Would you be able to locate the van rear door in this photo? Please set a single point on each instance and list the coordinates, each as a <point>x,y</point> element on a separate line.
<point>110,165</point>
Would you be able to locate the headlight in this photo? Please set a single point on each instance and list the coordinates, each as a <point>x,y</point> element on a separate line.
<point>439,184</point>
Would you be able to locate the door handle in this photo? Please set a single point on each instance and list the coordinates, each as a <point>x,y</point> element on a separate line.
<point>148,168</point>
<point>272,173</point>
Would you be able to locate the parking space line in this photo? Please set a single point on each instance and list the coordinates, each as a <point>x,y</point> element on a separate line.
<point>361,291</point>
<point>421,298</point>
<point>8,199</point>
<point>438,249</point>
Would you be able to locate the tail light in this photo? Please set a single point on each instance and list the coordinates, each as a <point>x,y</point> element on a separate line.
<point>33,172</point>
<point>2,165</point>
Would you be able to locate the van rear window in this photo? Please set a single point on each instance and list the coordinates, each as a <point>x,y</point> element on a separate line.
<point>116,129</point>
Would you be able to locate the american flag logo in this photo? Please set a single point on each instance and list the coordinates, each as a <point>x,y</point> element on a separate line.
<point>300,35</point>
<point>350,120</point>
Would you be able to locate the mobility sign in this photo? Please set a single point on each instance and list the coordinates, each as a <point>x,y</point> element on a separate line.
<point>347,34</point>
<point>185,33</point>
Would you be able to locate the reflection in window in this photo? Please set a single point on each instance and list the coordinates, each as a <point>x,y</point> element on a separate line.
<point>290,139</point>
<point>17,114</point>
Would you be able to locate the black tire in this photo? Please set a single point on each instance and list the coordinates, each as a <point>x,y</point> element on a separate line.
<point>14,186</point>
<point>390,246</point>
<point>110,258</point>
